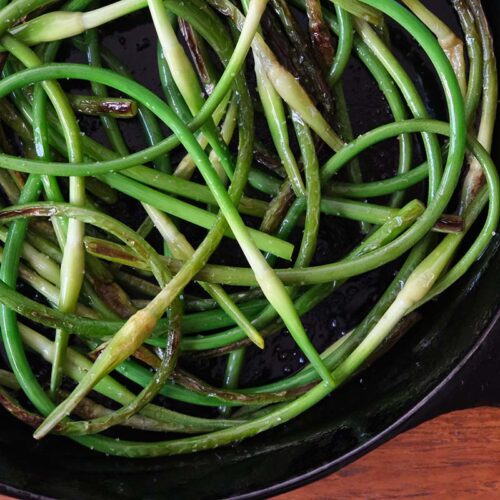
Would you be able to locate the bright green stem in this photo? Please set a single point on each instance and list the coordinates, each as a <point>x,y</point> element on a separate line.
<point>274,112</point>
<point>412,97</point>
<point>450,43</point>
<point>276,120</point>
<point>72,266</point>
<point>344,47</point>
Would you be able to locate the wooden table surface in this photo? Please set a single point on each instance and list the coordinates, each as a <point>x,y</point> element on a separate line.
<point>455,456</point>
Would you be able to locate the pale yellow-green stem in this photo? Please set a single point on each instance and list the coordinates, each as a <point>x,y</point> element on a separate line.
<point>415,289</point>
<point>182,249</point>
<point>186,166</point>
<point>182,70</point>
<point>272,104</point>
<point>8,380</point>
<point>297,98</point>
<point>452,45</point>
<point>489,106</point>
<point>357,9</point>
<point>274,111</point>
<point>40,262</point>
<point>61,24</point>
<point>120,347</point>
<point>48,290</point>
<point>73,261</point>
<point>227,131</point>
<point>75,365</point>
<point>288,87</point>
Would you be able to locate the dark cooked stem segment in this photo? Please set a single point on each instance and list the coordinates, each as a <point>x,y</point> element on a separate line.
<point>97,106</point>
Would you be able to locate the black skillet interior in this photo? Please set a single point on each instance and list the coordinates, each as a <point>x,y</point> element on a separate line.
<point>415,380</point>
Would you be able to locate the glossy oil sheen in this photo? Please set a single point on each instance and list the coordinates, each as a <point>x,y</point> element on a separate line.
<point>415,374</point>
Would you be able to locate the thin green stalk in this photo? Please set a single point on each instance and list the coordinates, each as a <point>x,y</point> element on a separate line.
<point>450,43</point>
<point>475,175</point>
<point>274,112</point>
<point>309,236</point>
<point>284,82</point>
<point>415,102</point>
<point>109,122</point>
<point>344,48</point>
<point>177,243</point>
<point>116,351</point>
<point>75,367</point>
<point>185,78</point>
<point>234,367</point>
<point>388,232</point>
<point>182,249</point>
<point>475,58</point>
<point>38,261</point>
<point>345,131</point>
<point>72,266</point>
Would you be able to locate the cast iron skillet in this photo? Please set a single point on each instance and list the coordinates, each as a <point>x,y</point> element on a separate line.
<point>449,360</point>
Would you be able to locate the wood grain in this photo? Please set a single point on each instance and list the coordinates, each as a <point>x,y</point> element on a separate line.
<point>454,456</point>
